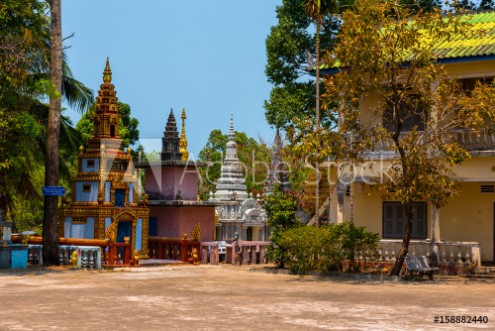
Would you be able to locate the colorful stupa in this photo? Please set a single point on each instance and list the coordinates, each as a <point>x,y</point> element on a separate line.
<point>104,189</point>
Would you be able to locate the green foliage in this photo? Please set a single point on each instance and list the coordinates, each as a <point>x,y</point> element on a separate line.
<point>24,84</point>
<point>254,156</point>
<point>380,54</point>
<point>128,126</point>
<point>375,42</point>
<point>325,248</point>
<point>288,46</point>
<point>476,5</point>
<point>354,240</point>
<point>281,211</point>
<point>22,24</point>
<point>303,248</point>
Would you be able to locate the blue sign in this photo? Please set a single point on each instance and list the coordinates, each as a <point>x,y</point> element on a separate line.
<point>58,191</point>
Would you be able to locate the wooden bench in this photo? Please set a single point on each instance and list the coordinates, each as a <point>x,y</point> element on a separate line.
<point>420,265</point>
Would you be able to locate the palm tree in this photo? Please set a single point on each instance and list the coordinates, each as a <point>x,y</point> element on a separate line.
<point>50,222</point>
<point>24,116</point>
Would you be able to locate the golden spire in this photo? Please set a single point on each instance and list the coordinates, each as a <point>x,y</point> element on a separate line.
<point>183,140</point>
<point>106,116</point>
<point>107,73</point>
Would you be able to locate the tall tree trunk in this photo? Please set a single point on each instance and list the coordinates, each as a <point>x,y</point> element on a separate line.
<point>317,51</point>
<point>50,222</point>
<point>404,248</point>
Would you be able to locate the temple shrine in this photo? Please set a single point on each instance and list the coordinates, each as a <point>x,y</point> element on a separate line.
<point>239,215</point>
<point>171,184</point>
<point>104,197</point>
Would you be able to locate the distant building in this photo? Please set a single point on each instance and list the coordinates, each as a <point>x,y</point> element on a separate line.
<point>468,218</point>
<point>172,187</point>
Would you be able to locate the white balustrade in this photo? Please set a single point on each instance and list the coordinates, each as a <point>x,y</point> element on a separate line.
<point>88,257</point>
<point>450,252</point>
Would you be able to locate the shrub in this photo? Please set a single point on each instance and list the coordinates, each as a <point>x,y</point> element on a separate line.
<point>281,212</point>
<point>325,248</point>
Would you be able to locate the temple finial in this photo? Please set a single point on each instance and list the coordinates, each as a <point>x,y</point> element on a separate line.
<point>183,140</point>
<point>231,134</point>
<point>107,73</point>
<point>106,109</point>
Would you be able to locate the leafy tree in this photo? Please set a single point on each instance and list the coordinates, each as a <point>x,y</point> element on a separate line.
<point>475,5</point>
<point>281,211</point>
<point>316,10</point>
<point>293,104</point>
<point>289,46</point>
<point>255,156</point>
<point>128,126</point>
<point>24,80</point>
<point>376,40</point>
<point>21,46</point>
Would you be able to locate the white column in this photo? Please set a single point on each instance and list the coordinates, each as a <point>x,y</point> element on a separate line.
<point>333,206</point>
<point>434,231</point>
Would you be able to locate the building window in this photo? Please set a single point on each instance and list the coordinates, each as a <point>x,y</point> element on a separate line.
<point>86,188</point>
<point>468,84</point>
<point>153,227</point>
<point>119,197</point>
<point>394,220</point>
<point>412,112</point>
<point>90,163</point>
<point>79,220</point>
<point>112,130</point>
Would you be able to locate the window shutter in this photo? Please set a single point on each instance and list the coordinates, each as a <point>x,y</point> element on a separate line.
<point>388,226</point>
<point>419,220</point>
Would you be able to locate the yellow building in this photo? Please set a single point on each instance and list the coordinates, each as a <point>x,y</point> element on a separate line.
<point>469,217</point>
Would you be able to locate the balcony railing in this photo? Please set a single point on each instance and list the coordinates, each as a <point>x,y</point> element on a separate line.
<point>471,141</point>
<point>172,249</point>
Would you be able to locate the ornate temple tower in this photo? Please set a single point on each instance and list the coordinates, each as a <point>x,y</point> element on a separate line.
<point>103,191</point>
<point>172,186</point>
<point>171,140</point>
<point>231,184</point>
<point>238,215</point>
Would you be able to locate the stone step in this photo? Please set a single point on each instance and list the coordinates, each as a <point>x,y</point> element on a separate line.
<point>484,269</point>
<point>481,275</point>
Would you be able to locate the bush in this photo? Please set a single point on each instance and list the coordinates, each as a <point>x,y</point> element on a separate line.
<point>325,248</point>
<point>303,247</point>
<point>281,212</point>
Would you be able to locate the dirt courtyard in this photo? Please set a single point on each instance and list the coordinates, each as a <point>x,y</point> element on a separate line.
<point>233,298</point>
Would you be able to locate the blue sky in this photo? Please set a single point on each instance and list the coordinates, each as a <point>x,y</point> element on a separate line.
<point>206,56</point>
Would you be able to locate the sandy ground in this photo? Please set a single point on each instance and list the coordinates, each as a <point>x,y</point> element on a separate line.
<point>233,298</point>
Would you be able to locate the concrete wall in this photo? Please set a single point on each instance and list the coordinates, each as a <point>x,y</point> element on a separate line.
<point>173,221</point>
<point>470,217</point>
<point>367,208</point>
<point>167,221</point>
<point>84,231</point>
<point>473,69</point>
<point>92,195</point>
<point>86,168</point>
<point>169,180</point>
<point>467,217</point>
